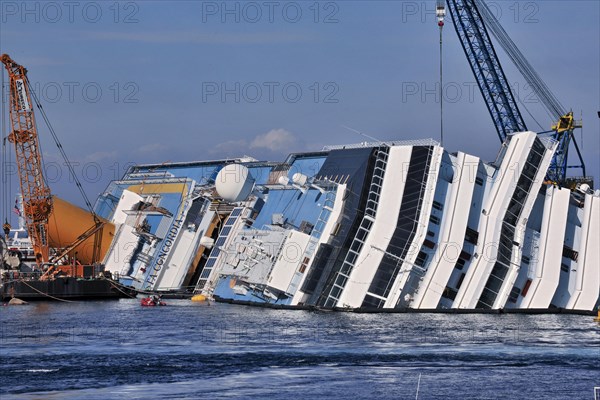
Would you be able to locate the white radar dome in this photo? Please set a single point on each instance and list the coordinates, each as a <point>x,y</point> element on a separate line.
<point>299,179</point>
<point>584,188</point>
<point>234,183</point>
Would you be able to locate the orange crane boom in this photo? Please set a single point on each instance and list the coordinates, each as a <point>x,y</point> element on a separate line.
<point>37,199</point>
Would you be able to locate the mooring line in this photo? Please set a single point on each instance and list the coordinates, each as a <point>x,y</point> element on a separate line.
<point>46,294</point>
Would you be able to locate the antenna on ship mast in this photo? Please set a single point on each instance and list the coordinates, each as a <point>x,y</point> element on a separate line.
<point>440,12</point>
<point>361,133</point>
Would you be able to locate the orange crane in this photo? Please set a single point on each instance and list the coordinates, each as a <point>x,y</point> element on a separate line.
<point>50,221</point>
<point>37,199</point>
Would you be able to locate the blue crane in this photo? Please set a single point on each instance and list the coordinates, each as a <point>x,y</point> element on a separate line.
<point>473,22</point>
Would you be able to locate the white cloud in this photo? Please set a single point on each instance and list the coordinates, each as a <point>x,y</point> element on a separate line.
<point>230,148</point>
<point>263,146</point>
<point>274,140</point>
<point>152,147</point>
<point>101,156</point>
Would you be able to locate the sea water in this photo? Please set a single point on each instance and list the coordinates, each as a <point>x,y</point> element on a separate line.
<point>186,350</point>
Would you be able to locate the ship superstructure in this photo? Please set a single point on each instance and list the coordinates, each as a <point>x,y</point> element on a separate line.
<point>381,225</point>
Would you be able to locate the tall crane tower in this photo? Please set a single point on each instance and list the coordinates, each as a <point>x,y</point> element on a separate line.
<point>473,21</point>
<point>37,199</point>
<point>63,231</point>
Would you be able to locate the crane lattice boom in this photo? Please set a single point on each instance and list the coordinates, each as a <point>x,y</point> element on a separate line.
<point>486,68</point>
<point>37,199</point>
<point>472,18</point>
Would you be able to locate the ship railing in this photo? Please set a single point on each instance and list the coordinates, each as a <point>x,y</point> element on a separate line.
<point>17,275</point>
<point>416,142</point>
<point>343,275</point>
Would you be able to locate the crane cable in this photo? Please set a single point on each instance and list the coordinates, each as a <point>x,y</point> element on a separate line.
<point>441,25</point>
<point>60,148</point>
<point>6,180</point>
<point>440,12</point>
<point>3,166</point>
<point>550,101</point>
<point>529,112</point>
<point>553,106</point>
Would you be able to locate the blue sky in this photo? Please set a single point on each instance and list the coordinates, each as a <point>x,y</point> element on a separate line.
<point>154,81</point>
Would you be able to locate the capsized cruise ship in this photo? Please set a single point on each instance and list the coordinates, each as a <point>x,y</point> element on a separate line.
<point>382,225</point>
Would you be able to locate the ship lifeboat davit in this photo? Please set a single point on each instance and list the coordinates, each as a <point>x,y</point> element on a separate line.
<point>68,222</point>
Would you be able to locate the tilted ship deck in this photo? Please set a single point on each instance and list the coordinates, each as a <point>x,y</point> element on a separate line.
<point>379,226</point>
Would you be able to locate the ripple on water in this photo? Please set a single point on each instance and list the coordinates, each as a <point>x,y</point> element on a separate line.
<point>100,350</point>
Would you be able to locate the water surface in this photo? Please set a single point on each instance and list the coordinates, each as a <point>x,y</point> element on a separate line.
<point>117,349</point>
